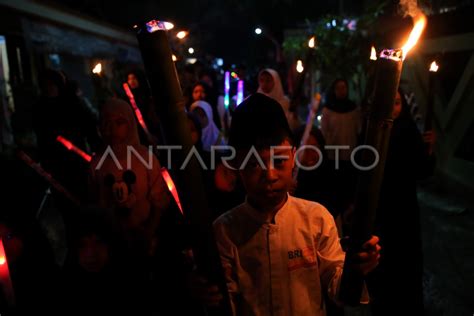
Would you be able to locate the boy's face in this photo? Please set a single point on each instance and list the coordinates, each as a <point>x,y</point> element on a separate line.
<point>267,185</point>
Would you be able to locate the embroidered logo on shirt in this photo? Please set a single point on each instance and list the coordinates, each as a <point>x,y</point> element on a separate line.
<point>301,258</point>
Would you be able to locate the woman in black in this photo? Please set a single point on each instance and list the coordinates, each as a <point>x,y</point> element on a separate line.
<point>396,284</point>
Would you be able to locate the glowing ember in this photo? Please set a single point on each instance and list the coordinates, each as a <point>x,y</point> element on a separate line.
<point>434,66</point>
<point>414,35</point>
<point>311,42</point>
<point>373,54</point>
<point>97,69</point>
<point>299,66</point>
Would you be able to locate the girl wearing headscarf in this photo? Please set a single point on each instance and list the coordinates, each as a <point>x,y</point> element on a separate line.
<point>341,125</point>
<point>269,84</point>
<point>126,177</point>
<point>211,135</point>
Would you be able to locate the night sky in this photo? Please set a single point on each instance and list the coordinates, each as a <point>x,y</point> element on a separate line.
<point>221,28</point>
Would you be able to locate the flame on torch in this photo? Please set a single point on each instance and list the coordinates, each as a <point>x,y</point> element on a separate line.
<point>434,66</point>
<point>97,69</point>
<point>299,66</point>
<point>181,34</point>
<point>373,54</point>
<point>312,42</point>
<point>415,34</point>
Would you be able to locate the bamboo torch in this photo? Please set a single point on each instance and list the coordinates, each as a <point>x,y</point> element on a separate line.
<point>169,105</point>
<point>430,103</point>
<point>379,125</point>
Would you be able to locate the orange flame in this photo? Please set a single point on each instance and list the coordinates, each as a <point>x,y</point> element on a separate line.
<point>373,54</point>
<point>434,66</point>
<point>299,66</point>
<point>414,35</point>
<point>312,42</point>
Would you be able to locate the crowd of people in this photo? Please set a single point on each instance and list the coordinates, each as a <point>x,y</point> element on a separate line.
<point>127,243</point>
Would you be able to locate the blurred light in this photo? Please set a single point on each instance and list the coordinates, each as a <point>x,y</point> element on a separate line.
<point>191,50</point>
<point>311,42</point>
<point>234,75</point>
<point>240,91</point>
<point>97,69</point>
<point>334,23</point>
<point>226,90</point>
<point>3,260</point>
<point>220,62</point>
<point>352,25</point>
<point>181,34</point>
<point>319,118</point>
<point>191,60</point>
<point>328,25</point>
<point>168,25</point>
<point>258,31</point>
<point>155,25</point>
<point>299,66</point>
<point>174,57</point>
<point>434,66</point>
<point>373,54</point>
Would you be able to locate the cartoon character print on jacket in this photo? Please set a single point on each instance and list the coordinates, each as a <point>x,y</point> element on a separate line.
<point>125,175</point>
<point>121,191</point>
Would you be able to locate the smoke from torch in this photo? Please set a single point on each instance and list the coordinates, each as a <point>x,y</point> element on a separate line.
<point>410,7</point>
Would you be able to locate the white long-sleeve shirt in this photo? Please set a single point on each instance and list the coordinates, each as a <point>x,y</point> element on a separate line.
<point>280,268</point>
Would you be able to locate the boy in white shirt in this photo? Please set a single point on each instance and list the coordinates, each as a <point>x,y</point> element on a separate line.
<point>279,252</point>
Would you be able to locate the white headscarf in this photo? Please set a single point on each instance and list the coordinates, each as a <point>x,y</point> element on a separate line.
<point>210,133</point>
<point>277,92</point>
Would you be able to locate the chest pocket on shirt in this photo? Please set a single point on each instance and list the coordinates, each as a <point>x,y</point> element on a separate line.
<point>301,258</point>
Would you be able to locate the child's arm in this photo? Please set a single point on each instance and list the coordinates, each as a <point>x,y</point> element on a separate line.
<point>330,257</point>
